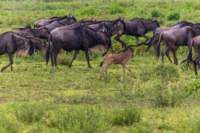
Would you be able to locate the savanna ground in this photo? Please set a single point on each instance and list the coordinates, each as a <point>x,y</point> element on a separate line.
<point>151,98</point>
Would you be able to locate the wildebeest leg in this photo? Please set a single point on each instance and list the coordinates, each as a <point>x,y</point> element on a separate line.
<point>195,68</point>
<point>168,56</point>
<point>196,62</point>
<point>117,38</point>
<point>54,56</point>
<point>163,53</point>
<point>74,57</point>
<point>10,63</point>
<point>87,58</point>
<point>175,58</point>
<point>52,61</point>
<point>150,43</point>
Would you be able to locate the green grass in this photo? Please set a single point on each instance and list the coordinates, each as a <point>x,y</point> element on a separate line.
<point>151,98</point>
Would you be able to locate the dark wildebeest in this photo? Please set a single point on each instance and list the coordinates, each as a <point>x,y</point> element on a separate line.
<point>173,38</point>
<point>67,20</point>
<point>75,39</point>
<point>115,26</point>
<point>44,22</point>
<point>138,28</point>
<point>28,31</point>
<point>159,30</point>
<point>10,42</point>
<point>195,43</point>
<point>35,36</point>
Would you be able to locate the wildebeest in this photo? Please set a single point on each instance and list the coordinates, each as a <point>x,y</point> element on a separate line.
<point>138,28</point>
<point>120,58</point>
<point>173,38</point>
<point>75,39</point>
<point>35,36</point>
<point>44,22</point>
<point>67,20</point>
<point>159,30</point>
<point>28,31</point>
<point>10,42</point>
<point>195,43</point>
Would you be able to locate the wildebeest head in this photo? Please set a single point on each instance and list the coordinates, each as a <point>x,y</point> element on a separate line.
<point>69,19</point>
<point>196,30</point>
<point>105,29</point>
<point>150,25</point>
<point>118,26</point>
<point>22,43</point>
<point>41,32</point>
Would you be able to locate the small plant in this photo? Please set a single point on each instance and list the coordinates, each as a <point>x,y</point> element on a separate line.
<point>173,16</point>
<point>126,117</point>
<point>155,13</point>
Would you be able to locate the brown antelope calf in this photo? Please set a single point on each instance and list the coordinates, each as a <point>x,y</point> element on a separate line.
<point>121,58</point>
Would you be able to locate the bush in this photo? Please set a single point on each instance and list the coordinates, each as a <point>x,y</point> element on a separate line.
<point>126,117</point>
<point>173,16</point>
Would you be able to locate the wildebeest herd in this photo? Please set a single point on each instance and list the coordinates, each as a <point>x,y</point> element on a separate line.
<point>65,32</point>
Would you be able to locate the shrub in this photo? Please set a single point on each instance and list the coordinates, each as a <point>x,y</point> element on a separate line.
<point>126,117</point>
<point>173,16</point>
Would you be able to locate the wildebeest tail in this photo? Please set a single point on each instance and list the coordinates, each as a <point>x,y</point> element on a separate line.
<point>49,49</point>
